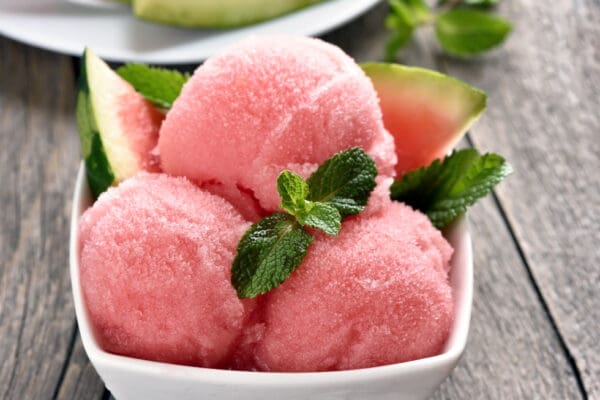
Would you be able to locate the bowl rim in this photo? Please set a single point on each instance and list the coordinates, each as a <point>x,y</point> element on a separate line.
<point>453,349</point>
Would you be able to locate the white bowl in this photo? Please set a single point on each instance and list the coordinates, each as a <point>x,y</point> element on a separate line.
<point>131,379</point>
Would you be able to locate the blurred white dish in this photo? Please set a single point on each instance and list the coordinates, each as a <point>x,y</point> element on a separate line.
<point>115,35</point>
<point>100,3</point>
<point>135,379</point>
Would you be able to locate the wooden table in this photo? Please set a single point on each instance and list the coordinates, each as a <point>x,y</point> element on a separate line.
<point>536,323</point>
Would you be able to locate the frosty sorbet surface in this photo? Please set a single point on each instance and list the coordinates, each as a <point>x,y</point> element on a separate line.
<point>155,262</point>
<point>269,104</point>
<point>377,294</point>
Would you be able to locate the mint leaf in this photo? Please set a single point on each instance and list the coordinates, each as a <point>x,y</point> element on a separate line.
<point>404,17</point>
<point>394,44</point>
<point>267,254</point>
<point>483,3</point>
<point>401,35</point>
<point>160,86</point>
<point>419,9</point>
<point>444,190</point>
<point>345,181</point>
<point>466,32</point>
<point>412,12</point>
<point>326,217</point>
<point>293,191</point>
<point>402,14</point>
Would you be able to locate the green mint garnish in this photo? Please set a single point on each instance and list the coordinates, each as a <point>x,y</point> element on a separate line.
<point>346,181</point>
<point>466,32</point>
<point>268,253</point>
<point>293,191</point>
<point>444,190</point>
<point>463,27</point>
<point>159,86</point>
<point>404,17</point>
<point>326,217</point>
<point>274,246</point>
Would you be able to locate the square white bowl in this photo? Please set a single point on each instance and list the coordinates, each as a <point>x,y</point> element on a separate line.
<point>132,379</point>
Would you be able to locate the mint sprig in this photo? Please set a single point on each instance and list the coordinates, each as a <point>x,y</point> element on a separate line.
<point>273,247</point>
<point>404,17</point>
<point>463,27</point>
<point>160,86</point>
<point>294,191</point>
<point>444,189</point>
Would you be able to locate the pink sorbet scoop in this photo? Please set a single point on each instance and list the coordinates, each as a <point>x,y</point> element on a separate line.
<point>377,294</point>
<point>155,259</point>
<point>267,104</point>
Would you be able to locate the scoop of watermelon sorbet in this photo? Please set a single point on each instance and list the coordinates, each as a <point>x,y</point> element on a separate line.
<point>155,258</point>
<point>267,104</point>
<point>377,294</point>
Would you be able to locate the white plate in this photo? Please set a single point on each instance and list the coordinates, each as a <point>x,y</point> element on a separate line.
<point>115,35</point>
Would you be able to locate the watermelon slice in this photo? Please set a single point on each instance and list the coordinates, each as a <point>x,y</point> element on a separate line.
<point>118,128</point>
<point>214,13</point>
<point>426,112</point>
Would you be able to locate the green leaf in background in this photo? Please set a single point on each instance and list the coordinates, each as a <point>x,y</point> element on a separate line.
<point>404,17</point>
<point>483,3</point>
<point>466,32</point>
<point>398,39</point>
<point>444,190</point>
<point>419,9</point>
<point>326,217</point>
<point>160,86</point>
<point>345,180</point>
<point>267,254</point>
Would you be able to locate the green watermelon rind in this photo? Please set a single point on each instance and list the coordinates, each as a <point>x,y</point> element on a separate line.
<point>472,100</point>
<point>99,172</point>
<point>105,143</point>
<point>222,14</point>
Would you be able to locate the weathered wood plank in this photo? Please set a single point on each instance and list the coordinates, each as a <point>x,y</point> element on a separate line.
<point>38,159</point>
<point>513,351</point>
<point>544,115</point>
<point>81,381</point>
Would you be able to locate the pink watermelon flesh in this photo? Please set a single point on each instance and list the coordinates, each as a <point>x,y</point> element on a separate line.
<point>422,134</point>
<point>426,112</point>
<point>140,122</point>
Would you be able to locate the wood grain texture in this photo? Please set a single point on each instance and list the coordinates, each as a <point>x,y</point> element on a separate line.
<point>513,351</point>
<point>38,157</point>
<point>544,116</point>
<point>80,381</point>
